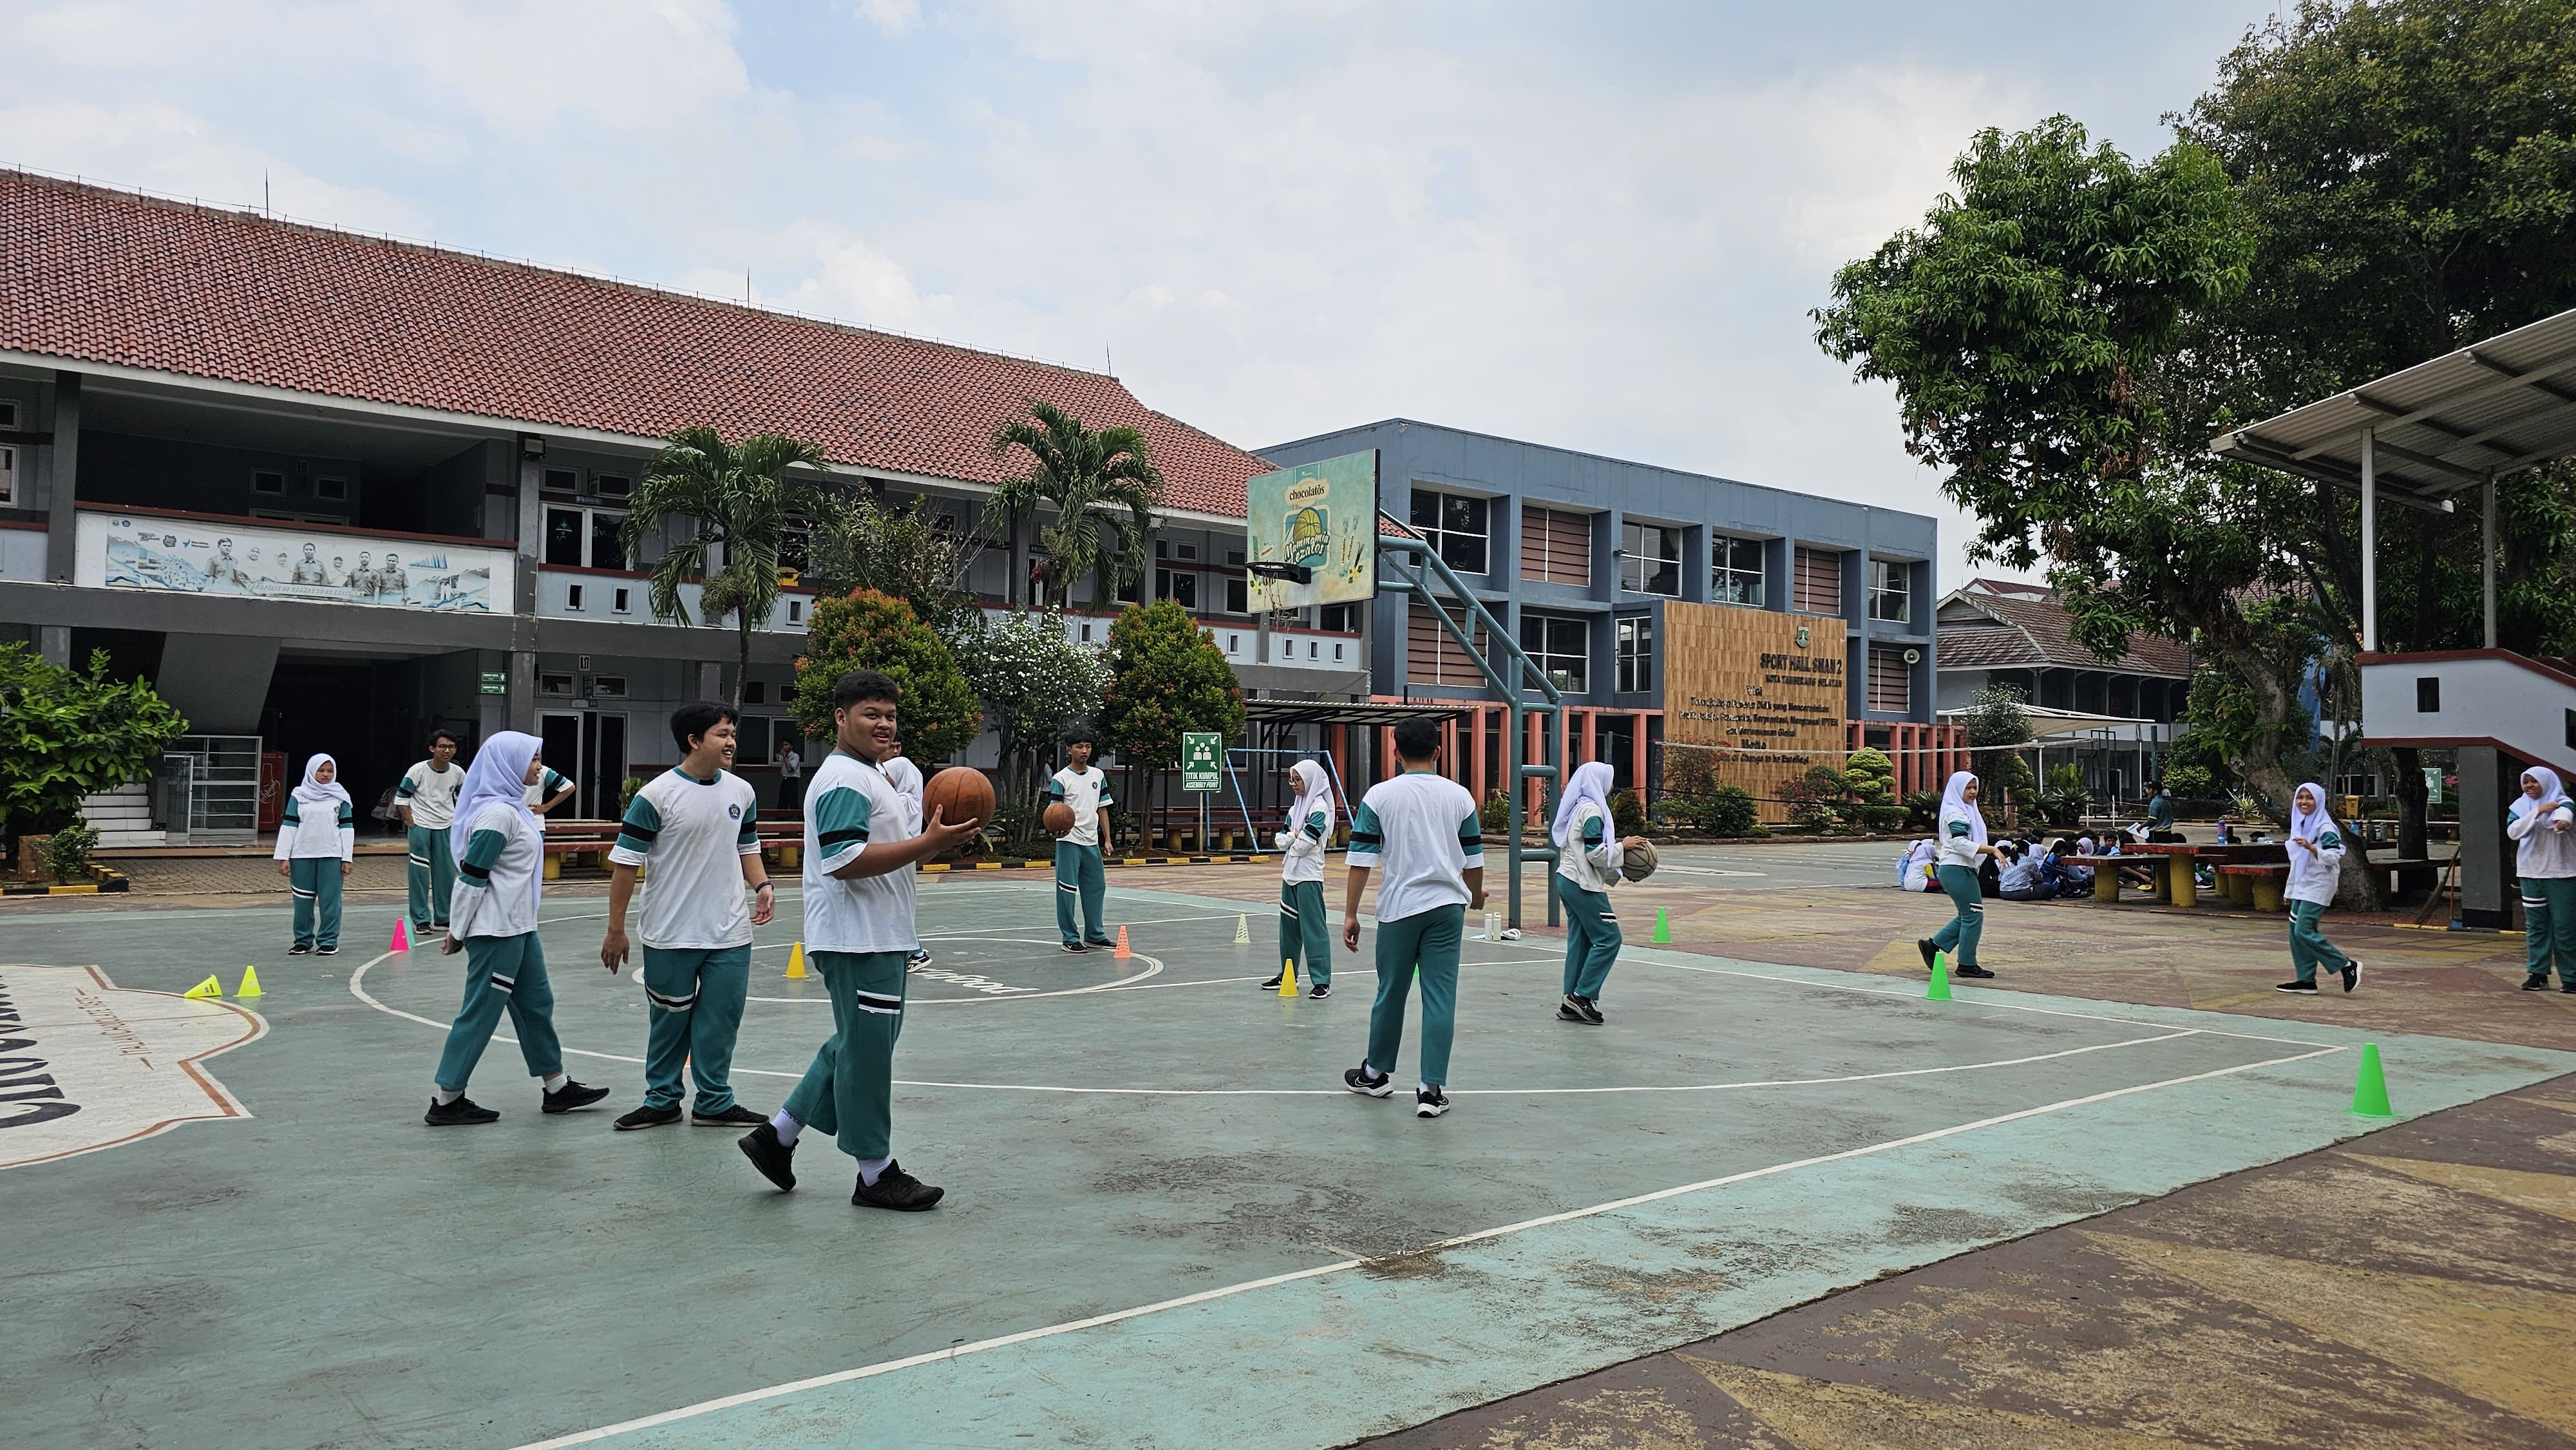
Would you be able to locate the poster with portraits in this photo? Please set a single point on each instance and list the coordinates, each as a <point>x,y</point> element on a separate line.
<point>267,561</point>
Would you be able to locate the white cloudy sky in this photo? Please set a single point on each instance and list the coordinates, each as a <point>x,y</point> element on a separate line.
<point>1598,225</point>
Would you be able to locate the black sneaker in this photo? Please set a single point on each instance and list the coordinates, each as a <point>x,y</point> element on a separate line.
<point>1591,1011</point>
<point>300,949</point>
<point>775,1160</point>
<point>1273,984</point>
<point>1971,970</point>
<point>2307,988</point>
<point>458,1113</point>
<point>736,1116</point>
<point>329,951</point>
<point>2351,973</point>
<point>2568,987</point>
<point>1929,951</point>
<point>1074,947</point>
<point>1429,1102</point>
<point>917,959</point>
<point>1101,945</point>
<point>1359,1080</point>
<point>897,1190</point>
<point>648,1116</point>
<point>572,1095</point>
<point>1566,1011</point>
<point>1319,991</point>
<point>2538,983</point>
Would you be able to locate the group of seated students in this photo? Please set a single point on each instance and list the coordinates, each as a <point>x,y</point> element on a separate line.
<point>2031,867</point>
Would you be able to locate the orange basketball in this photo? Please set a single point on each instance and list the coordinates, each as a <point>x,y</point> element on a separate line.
<point>960,793</point>
<point>1058,818</point>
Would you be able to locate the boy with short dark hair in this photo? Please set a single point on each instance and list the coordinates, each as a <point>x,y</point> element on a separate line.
<point>1078,875</point>
<point>699,824</point>
<point>425,802</point>
<point>1421,829</point>
<point>860,853</point>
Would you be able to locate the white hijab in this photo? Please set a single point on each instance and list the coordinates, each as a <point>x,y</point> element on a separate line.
<point>1314,793</point>
<point>2308,825</point>
<point>1954,801</point>
<point>2553,792</point>
<point>499,773</point>
<point>1591,783</point>
<point>315,792</point>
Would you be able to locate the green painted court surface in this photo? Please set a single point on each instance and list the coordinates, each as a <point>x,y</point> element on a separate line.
<point>1166,1223</point>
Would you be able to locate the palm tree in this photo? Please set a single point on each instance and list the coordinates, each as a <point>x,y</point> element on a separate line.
<point>1095,481</point>
<point>742,499</point>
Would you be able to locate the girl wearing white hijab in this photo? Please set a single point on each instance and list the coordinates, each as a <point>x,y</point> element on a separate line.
<point>2543,829</point>
<point>1304,941</point>
<point>2316,868</point>
<point>1587,866</point>
<point>317,845</point>
<point>1962,836</point>
<point>500,861</point>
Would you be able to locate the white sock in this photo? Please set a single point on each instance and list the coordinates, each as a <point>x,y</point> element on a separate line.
<point>556,1080</point>
<point>870,1168</point>
<point>787,1128</point>
<point>1422,1087</point>
<point>443,1096</point>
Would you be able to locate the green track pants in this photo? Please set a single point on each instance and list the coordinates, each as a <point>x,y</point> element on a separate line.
<point>2309,948</point>
<point>1303,937</point>
<point>432,873</point>
<point>1425,943</point>
<point>1592,939</point>
<point>1078,878</point>
<point>693,1009</point>
<point>2549,926</point>
<point>1958,936</point>
<point>848,1092</point>
<point>315,881</point>
<point>502,973</point>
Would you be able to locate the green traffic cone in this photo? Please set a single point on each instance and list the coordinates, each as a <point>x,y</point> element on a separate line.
<point>1939,991</point>
<point>2370,1086</point>
<point>1663,926</point>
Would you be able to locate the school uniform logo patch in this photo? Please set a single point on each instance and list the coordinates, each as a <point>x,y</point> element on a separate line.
<point>734,812</point>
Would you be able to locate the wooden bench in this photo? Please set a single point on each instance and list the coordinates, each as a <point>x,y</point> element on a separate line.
<point>782,843</point>
<point>2255,887</point>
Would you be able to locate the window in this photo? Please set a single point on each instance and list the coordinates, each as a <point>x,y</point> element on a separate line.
<point>335,490</point>
<point>1891,681</point>
<point>1177,585</point>
<point>1652,561</point>
<point>579,537</point>
<point>1185,551</point>
<point>612,485</point>
<point>1127,592</point>
<point>608,687</point>
<point>1454,524</point>
<point>1433,657</point>
<point>1238,596</point>
<point>795,610</point>
<point>562,480</point>
<point>755,692</point>
<point>1556,546</point>
<point>1635,641</point>
<point>572,597</point>
<point>753,739</point>
<point>1819,585</point>
<point>1734,571</point>
<point>1342,617</point>
<point>268,481</point>
<point>1234,557</point>
<point>1890,589</point>
<point>8,474</point>
<point>622,601</point>
<point>554,684</point>
<point>1559,647</point>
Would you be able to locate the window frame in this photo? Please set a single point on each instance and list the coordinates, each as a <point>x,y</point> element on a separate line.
<point>1633,533</point>
<point>1881,573</point>
<point>1439,531</point>
<point>1726,578</point>
<point>1576,681</point>
<point>588,520</point>
<point>1632,654</point>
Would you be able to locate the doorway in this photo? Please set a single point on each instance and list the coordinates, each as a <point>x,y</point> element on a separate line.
<point>590,747</point>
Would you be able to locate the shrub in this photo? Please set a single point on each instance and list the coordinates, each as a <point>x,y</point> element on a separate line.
<point>65,733</point>
<point>1922,810</point>
<point>1627,813</point>
<point>870,631</point>
<point>67,854</point>
<point>1494,817</point>
<point>1872,776</point>
<point>2191,782</point>
<point>1816,799</point>
<point>1727,810</point>
<point>626,790</point>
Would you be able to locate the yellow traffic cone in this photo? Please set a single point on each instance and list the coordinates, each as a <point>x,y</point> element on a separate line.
<point>1287,976</point>
<point>250,983</point>
<point>210,987</point>
<point>1122,953</point>
<point>1243,931</point>
<point>796,962</point>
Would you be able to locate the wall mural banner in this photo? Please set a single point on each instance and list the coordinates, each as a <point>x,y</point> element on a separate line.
<point>271,561</point>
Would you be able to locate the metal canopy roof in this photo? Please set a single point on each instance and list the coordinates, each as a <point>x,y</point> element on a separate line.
<point>2437,428</point>
<point>1272,711</point>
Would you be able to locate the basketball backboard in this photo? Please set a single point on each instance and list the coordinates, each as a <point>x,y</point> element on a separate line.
<point>1311,533</point>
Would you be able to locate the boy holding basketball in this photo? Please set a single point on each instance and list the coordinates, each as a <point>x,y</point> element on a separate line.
<point>860,852</point>
<point>1082,789</point>
<point>1421,829</point>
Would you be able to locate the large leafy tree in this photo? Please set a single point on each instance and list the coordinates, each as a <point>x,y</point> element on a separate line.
<point>1033,681</point>
<point>1166,676</point>
<point>914,553</point>
<point>67,733</point>
<point>866,630</point>
<point>744,504</point>
<point>1101,485</point>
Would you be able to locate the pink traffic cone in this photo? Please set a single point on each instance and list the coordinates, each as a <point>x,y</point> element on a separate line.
<point>402,940</point>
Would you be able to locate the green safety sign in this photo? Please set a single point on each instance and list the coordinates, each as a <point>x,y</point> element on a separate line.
<point>495,683</point>
<point>1202,754</point>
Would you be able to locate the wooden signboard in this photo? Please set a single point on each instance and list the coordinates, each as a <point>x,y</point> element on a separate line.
<point>1771,689</point>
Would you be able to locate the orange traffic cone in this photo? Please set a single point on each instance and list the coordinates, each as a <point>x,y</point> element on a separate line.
<point>1123,954</point>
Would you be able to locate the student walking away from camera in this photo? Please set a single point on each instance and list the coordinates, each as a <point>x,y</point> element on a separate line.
<point>2316,869</point>
<point>317,845</point>
<point>791,776</point>
<point>860,856</point>
<point>500,862</point>
<point>425,802</point>
<point>1962,833</point>
<point>2543,829</point>
<point>1421,830</point>
<point>1078,875</point>
<point>906,779</point>
<point>1304,935</point>
<point>1588,858</point>
<point>548,791</point>
<point>698,823</point>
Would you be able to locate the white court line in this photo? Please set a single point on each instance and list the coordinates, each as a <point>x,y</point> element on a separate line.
<point>871,1371</point>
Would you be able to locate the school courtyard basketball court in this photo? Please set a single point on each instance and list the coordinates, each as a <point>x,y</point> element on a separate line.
<point>1166,1222</point>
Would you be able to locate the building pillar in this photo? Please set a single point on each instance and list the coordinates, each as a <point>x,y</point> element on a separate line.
<point>523,690</point>
<point>62,521</point>
<point>1637,755</point>
<point>54,642</point>
<point>1591,737</point>
<point>2488,781</point>
<point>1476,757</point>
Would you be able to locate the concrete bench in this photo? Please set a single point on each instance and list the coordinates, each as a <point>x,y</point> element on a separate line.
<point>2106,874</point>
<point>2255,887</point>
